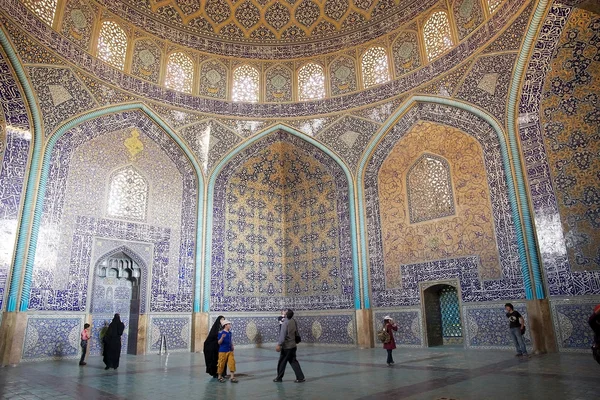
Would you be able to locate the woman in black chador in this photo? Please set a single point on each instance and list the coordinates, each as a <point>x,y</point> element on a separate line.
<point>112,343</point>
<point>211,348</point>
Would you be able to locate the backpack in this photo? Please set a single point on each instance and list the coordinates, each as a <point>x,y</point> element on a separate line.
<point>383,336</point>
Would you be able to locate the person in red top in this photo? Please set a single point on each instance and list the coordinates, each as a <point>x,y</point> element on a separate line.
<point>390,327</point>
<point>85,336</point>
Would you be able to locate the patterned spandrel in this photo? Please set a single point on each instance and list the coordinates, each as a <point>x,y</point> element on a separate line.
<point>112,44</point>
<point>429,189</point>
<point>44,9</point>
<point>278,83</point>
<point>436,34</point>
<point>78,22</point>
<point>450,309</point>
<point>146,60</point>
<point>128,195</point>
<point>245,84</point>
<point>493,5</point>
<point>375,69</point>
<point>180,71</point>
<point>311,82</point>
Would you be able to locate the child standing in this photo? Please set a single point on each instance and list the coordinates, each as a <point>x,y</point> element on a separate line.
<point>226,352</point>
<point>85,336</point>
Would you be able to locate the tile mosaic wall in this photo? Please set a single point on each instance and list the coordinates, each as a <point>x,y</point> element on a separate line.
<point>52,337</point>
<point>176,329</point>
<point>15,140</point>
<point>321,329</point>
<point>70,223</point>
<point>562,28</point>
<point>281,234</point>
<point>571,327</point>
<point>486,326</point>
<point>474,288</point>
<point>410,331</point>
<point>464,229</point>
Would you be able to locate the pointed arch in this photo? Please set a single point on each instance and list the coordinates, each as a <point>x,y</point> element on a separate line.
<point>506,165</point>
<point>144,281</point>
<point>35,205</point>
<point>210,199</point>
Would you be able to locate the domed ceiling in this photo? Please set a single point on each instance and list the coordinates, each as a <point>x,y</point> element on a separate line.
<point>324,25</point>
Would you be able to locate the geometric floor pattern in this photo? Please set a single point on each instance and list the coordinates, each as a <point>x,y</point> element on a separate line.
<point>331,373</point>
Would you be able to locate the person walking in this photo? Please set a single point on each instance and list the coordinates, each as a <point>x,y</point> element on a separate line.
<point>594,322</point>
<point>286,346</point>
<point>211,347</point>
<point>112,343</point>
<point>517,329</point>
<point>390,327</point>
<point>85,336</point>
<point>226,353</point>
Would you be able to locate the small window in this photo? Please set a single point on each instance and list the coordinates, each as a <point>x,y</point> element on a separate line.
<point>128,194</point>
<point>429,188</point>
<point>375,68</point>
<point>245,84</point>
<point>493,5</point>
<point>112,44</point>
<point>180,73</point>
<point>44,9</point>
<point>311,82</point>
<point>436,33</point>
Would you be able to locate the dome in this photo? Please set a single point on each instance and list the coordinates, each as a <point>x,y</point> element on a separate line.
<point>268,28</point>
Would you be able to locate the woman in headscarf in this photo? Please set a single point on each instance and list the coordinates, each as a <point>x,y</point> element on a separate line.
<point>112,342</point>
<point>211,348</point>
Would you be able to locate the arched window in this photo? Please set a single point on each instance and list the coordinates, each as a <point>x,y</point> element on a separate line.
<point>44,9</point>
<point>311,82</point>
<point>375,68</point>
<point>493,5</point>
<point>429,188</point>
<point>128,194</point>
<point>245,84</point>
<point>112,44</point>
<point>180,73</point>
<point>436,33</point>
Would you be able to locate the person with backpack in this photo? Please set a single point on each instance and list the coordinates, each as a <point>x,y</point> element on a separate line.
<point>389,343</point>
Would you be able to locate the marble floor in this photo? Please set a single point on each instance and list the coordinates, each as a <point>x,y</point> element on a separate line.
<point>331,373</point>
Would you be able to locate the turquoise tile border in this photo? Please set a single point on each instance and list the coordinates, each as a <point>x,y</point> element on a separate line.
<point>30,189</point>
<point>210,195</point>
<point>513,95</point>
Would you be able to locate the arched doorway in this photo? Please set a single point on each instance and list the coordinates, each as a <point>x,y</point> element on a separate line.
<point>117,289</point>
<point>441,306</point>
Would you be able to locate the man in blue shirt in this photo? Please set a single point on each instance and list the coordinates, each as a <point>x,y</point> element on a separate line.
<point>226,352</point>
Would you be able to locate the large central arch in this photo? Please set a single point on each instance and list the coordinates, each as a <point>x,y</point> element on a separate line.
<point>210,205</point>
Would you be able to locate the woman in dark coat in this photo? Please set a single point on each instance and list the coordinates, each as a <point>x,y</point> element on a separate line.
<point>112,342</point>
<point>211,348</point>
<point>390,327</point>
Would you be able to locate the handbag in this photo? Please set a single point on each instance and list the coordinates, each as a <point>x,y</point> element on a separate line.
<point>523,330</point>
<point>297,337</point>
<point>384,336</point>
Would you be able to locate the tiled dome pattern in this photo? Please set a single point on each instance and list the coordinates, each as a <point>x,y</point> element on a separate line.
<point>268,19</point>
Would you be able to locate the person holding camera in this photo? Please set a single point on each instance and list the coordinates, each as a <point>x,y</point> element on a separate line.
<point>287,346</point>
<point>390,326</point>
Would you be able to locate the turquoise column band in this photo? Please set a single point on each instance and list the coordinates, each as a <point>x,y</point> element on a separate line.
<point>505,163</point>
<point>36,137</point>
<point>209,214</point>
<point>43,183</point>
<point>513,105</point>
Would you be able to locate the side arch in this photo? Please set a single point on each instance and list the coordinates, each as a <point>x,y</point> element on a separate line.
<point>35,206</point>
<point>210,198</point>
<point>506,165</point>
